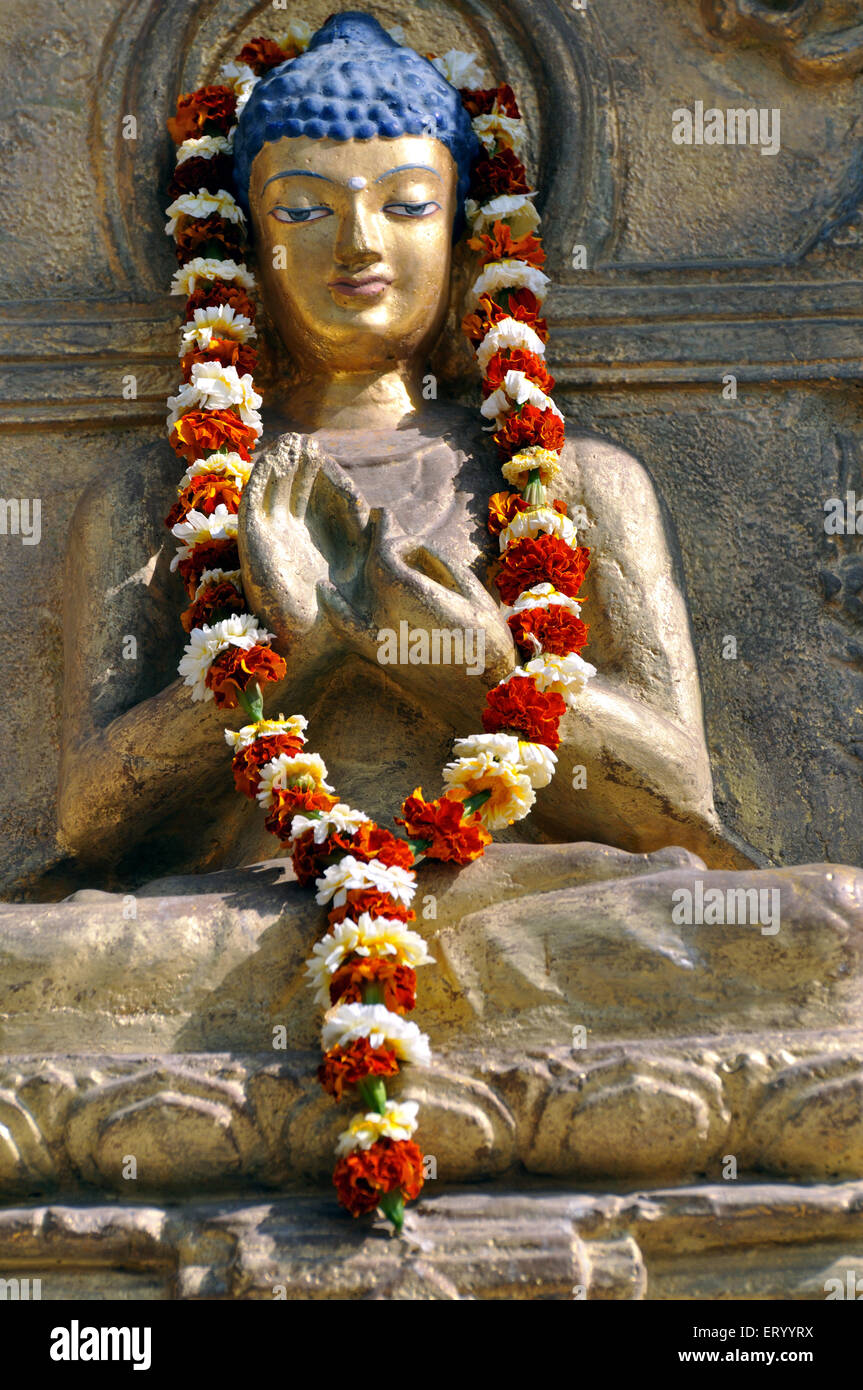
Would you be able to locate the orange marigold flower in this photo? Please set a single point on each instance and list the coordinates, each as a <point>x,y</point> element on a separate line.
<point>308,857</point>
<point>539,560</point>
<point>363,1176</point>
<point>502,507</point>
<point>193,234</point>
<point>375,903</point>
<point>234,670</point>
<point>480,101</point>
<point>202,432</point>
<point>208,555</point>
<point>516,360</point>
<point>521,305</point>
<point>500,245</point>
<point>530,425</point>
<point>294,801</point>
<point>452,838</point>
<point>247,763</point>
<point>398,983</point>
<point>216,293</point>
<point>501,173</point>
<point>194,174</point>
<point>203,494</point>
<point>556,630</point>
<point>345,1066</point>
<point>219,597</point>
<point>208,111</point>
<point>372,841</point>
<point>521,707</point>
<point>262,54</point>
<point>224,350</point>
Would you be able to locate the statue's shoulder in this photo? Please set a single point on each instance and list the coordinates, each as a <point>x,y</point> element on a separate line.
<point>598,469</point>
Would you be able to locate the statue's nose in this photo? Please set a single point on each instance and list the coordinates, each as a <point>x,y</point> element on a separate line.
<point>357,244</point>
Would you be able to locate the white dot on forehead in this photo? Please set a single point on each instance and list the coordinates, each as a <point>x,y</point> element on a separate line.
<point>357,181</point>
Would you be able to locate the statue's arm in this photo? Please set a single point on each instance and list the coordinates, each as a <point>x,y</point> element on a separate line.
<point>134,745</point>
<point>633,768</point>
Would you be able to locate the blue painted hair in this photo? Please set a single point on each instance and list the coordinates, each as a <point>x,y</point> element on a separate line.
<point>354,83</point>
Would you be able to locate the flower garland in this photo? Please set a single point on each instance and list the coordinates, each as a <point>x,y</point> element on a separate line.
<point>363,970</point>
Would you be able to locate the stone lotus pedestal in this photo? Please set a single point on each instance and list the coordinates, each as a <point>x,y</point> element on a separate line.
<point>600,1076</point>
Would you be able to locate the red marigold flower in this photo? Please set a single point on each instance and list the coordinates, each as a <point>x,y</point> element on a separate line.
<point>500,173</point>
<point>249,761</point>
<point>520,706</point>
<point>193,234</point>
<point>398,983</point>
<point>208,555</point>
<point>345,1066</point>
<point>375,903</point>
<point>363,1176</point>
<point>500,245</point>
<point>481,101</point>
<point>195,173</point>
<point>219,597</point>
<point>202,432</point>
<point>216,293</point>
<point>530,425</point>
<point>262,54</point>
<point>203,494</point>
<point>208,111</point>
<point>556,630</point>
<point>294,801</point>
<point>308,856</point>
<point>224,350</point>
<point>234,670</point>
<point>372,841</point>
<point>452,839</point>
<point>521,305</point>
<point>539,560</point>
<point>502,507</point>
<point>516,360</point>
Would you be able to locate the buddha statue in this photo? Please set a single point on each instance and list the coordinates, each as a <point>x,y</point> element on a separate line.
<point>366,512</point>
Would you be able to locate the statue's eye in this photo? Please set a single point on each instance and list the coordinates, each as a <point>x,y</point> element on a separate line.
<point>283,214</point>
<point>412,209</point>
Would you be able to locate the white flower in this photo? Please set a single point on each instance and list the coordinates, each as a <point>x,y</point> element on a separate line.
<point>541,596</point>
<point>495,128</point>
<point>566,675</point>
<point>339,817</point>
<point>533,758</point>
<point>204,269</point>
<point>214,387</point>
<point>515,209</point>
<point>197,528</point>
<point>203,204</point>
<point>369,936</point>
<point>511,791</point>
<point>518,469</point>
<point>461,69</point>
<point>241,80</point>
<point>205,644</point>
<point>230,465</point>
<point>399,1121</point>
<point>297,34</point>
<point>538,521</point>
<point>238,739</point>
<point>346,1023</point>
<point>285,771</point>
<point>509,275</point>
<point>509,333</point>
<point>205,147</point>
<point>349,873</point>
<point>216,321</point>
<point>517,389</point>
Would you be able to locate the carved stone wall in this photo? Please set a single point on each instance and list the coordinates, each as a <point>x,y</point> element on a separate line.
<point>700,262</point>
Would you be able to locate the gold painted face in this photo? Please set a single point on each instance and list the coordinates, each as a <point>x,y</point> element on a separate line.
<point>354,241</point>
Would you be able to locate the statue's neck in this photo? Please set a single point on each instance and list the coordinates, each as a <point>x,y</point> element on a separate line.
<point>354,400</point>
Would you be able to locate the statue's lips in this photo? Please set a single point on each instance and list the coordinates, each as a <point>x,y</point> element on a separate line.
<point>365,288</point>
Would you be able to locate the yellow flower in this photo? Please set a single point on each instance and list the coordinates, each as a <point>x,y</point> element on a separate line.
<point>512,795</point>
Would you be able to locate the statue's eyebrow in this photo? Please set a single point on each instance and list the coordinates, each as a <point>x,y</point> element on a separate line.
<point>297,173</point>
<point>401,167</point>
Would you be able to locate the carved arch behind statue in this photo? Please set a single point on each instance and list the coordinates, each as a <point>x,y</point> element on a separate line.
<point>159,48</point>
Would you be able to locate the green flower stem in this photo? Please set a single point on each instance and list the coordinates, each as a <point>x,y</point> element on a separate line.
<point>534,492</point>
<point>373,1092</point>
<point>252,702</point>
<point>213,250</point>
<point>393,1207</point>
<point>473,803</point>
